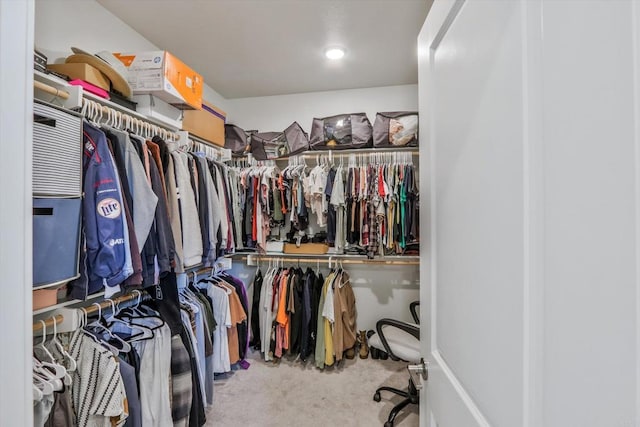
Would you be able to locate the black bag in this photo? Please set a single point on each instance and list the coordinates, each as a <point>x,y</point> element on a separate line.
<point>396,129</point>
<point>341,132</point>
<point>273,145</point>
<point>236,139</point>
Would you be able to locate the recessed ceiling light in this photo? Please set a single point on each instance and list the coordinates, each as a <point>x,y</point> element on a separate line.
<point>334,53</point>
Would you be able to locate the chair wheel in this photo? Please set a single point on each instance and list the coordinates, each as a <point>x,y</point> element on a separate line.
<point>388,424</point>
<point>376,397</point>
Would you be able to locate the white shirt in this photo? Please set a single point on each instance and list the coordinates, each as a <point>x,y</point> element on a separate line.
<point>222,315</point>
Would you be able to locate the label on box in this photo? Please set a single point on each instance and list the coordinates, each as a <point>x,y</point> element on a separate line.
<point>146,80</point>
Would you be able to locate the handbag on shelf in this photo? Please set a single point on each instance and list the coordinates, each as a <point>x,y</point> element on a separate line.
<point>274,145</point>
<point>396,129</point>
<point>341,132</point>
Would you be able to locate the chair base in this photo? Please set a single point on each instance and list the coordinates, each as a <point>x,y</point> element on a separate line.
<point>411,397</point>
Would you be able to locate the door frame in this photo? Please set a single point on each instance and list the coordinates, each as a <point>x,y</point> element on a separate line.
<point>16,109</point>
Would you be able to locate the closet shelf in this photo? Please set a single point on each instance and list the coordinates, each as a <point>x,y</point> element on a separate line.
<point>48,88</point>
<point>252,258</point>
<point>68,303</point>
<point>312,154</point>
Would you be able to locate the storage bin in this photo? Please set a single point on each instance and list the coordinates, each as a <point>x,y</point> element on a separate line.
<point>396,129</point>
<point>44,298</point>
<point>341,132</point>
<point>56,240</point>
<point>57,151</point>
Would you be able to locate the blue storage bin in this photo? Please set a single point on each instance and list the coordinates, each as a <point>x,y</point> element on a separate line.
<point>56,240</point>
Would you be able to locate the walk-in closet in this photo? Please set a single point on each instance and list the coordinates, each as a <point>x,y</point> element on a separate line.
<point>319,213</point>
<point>215,248</point>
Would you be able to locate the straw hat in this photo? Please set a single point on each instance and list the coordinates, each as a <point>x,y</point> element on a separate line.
<point>106,63</point>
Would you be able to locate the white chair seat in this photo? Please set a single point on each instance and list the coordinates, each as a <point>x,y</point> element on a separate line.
<point>402,344</point>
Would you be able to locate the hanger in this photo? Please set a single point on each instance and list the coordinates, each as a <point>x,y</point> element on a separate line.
<point>37,393</point>
<point>49,371</point>
<point>96,327</point>
<point>141,312</point>
<point>41,384</point>
<point>144,331</point>
<point>71,365</point>
<point>41,346</point>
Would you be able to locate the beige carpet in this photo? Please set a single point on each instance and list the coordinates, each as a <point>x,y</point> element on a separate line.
<point>293,394</point>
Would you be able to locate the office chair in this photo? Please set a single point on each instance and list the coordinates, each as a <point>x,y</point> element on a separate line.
<point>401,341</point>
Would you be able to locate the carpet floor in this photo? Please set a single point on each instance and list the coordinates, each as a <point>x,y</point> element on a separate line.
<point>296,394</point>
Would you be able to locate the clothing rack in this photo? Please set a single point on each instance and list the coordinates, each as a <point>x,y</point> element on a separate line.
<point>100,113</point>
<point>54,320</point>
<point>255,259</point>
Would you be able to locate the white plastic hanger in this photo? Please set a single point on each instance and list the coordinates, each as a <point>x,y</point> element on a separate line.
<point>72,365</point>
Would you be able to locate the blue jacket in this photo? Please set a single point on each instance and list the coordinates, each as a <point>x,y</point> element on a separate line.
<point>104,218</point>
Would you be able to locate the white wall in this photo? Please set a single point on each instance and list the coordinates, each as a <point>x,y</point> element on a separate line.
<point>61,24</point>
<point>275,113</point>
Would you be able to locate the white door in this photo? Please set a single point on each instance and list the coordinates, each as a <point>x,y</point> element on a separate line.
<point>530,131</point>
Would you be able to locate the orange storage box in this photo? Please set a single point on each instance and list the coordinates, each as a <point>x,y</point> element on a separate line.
<point>207,123</point>
<point>161,74</point>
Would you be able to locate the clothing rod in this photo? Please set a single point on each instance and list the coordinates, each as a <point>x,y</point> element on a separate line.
<point>55,320</point>
<point>331,260</point>
<point>50,90</point>
<point>105,304</point>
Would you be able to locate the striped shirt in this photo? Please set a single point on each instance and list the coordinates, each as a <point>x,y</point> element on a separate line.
<point>99,397</point>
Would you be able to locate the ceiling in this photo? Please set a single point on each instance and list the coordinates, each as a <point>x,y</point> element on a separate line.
<point>247,48</point>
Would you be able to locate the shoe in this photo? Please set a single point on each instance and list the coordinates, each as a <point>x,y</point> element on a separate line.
<point>364,347</point>
<point>384,355</point>
<point>350,353</point>
<point>375,353</point>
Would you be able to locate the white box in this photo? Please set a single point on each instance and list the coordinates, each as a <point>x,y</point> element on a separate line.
<point>155,108</point>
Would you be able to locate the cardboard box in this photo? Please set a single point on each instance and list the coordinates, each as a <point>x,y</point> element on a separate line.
<point>161,74</point>
<point>83,72</point>
<point>207,123</point>
<point>155,108</point>
<point>306,248</point>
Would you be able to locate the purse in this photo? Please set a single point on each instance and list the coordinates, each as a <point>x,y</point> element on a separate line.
<point>341,132</point>
<point>273,145</point>
<point>396,129</point>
